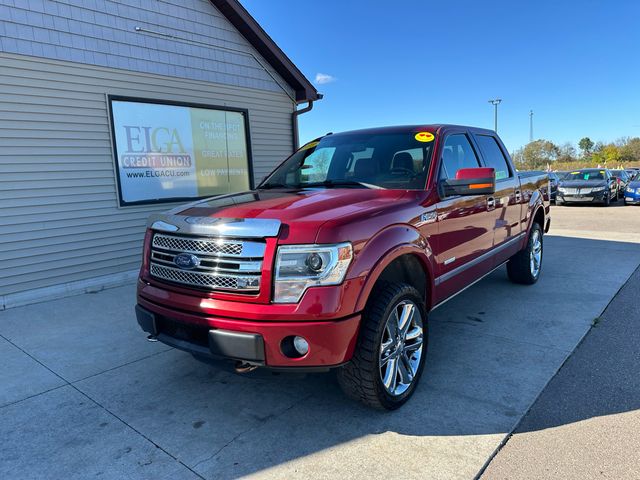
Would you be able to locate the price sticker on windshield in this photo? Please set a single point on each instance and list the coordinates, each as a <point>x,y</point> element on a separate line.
<point>309,145</point>
<point>424,137</point>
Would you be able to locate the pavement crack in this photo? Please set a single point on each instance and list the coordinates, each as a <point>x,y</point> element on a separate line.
<point>120,366</point>
<point>253,427</point>
<point>68,383</point>
<point>34,395</point>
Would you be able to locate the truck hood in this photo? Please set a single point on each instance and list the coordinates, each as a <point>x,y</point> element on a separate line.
<point>301,212</point>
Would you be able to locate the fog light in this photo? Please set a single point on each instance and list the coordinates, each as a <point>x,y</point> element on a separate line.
<point>301,345</point>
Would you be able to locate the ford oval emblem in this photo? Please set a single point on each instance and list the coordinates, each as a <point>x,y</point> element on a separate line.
<point>186,261</point>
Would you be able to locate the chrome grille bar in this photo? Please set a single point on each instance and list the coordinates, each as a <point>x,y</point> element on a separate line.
<point>207,280</point>
<point>209,246</point>
<point>232,265</point>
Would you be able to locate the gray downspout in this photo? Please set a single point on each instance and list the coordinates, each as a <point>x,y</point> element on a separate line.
<point>294,122</point>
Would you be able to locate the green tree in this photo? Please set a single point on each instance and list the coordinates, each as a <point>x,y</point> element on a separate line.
<point>586,145</point>
<point>630,150</point>
<point>567,153</point>
<point>536,155</point>
<point>608,154</point>
<point>539,153</point>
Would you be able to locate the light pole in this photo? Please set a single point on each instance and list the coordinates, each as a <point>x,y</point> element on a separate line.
<point>495,102</point>
<point>530,126</point>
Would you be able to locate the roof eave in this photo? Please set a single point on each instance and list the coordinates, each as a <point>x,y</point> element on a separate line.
<point>264,44</point>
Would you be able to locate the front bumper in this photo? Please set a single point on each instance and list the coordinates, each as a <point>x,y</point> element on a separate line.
<point>331,343</point>
<point>597,197</point>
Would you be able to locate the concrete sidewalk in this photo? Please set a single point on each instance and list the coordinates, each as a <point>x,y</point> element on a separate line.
<point>586,423</point>
<point>82,393</point>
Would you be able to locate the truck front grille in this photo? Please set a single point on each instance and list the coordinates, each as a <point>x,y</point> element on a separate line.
<point>205,246</point>
<point>213,263</point>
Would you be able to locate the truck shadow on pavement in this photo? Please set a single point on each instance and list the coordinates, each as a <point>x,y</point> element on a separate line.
<point>492,350</point>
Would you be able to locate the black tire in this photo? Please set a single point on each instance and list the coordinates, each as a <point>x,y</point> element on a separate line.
<point>606,201</point>
<point>360,379</point>
<point>519,267</point>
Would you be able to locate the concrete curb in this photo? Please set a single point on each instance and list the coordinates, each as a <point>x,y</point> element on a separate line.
<point>90,285</point>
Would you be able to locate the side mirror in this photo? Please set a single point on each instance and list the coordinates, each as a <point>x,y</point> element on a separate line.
<point>469,181</point>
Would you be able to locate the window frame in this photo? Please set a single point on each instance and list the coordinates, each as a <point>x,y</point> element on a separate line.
<point>122,203</point>
<point>505,155</point>
<point>440,162</point>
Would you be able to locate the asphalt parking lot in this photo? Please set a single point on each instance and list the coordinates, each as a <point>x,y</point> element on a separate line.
<point>82,393</point>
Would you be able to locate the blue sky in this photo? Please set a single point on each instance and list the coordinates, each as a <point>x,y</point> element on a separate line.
<point>575,63</point>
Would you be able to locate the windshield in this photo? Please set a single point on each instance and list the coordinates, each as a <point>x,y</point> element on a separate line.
<point>380,160</point>
<point>585,175</point>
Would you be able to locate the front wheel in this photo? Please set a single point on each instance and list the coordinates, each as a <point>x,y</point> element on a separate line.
<point>391,349</point>
<point>525,266</point>
<point>606,201</point>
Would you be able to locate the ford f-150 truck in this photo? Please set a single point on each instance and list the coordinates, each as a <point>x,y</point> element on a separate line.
<point>337,257</point>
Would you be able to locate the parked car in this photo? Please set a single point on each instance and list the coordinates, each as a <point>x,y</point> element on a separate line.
<point>622,178</point>
<point>335,260</point>
<point>632,193</point>
<point>633,173</point>
<point>554,180</point>
<point>588,185</point>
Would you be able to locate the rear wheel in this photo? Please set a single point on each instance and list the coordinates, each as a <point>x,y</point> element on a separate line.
<point>391,349</point>
<point>525,266</point>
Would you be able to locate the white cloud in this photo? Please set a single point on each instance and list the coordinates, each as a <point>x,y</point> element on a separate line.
<point>322,78</point>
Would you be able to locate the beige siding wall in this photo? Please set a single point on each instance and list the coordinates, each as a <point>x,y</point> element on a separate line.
<point>59,219</point>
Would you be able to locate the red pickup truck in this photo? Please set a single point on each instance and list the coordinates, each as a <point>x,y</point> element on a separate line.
<point>336,258</point>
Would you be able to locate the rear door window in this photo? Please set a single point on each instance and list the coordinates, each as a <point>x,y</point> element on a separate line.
<point>493,156</point>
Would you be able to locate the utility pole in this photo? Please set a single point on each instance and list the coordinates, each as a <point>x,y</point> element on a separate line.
<point>530,126</point>
<point>495,102</point>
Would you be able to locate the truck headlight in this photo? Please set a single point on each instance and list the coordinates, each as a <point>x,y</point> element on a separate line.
<point>299,267</point>
<point>598,189</point>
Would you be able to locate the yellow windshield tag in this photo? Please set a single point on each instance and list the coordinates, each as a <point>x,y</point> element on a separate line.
<point>575,173</point>
<point>424,137</point>
<point>309,145</point>
<point>601,171</point>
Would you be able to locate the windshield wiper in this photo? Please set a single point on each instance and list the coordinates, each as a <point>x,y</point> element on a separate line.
<point>339,183</point>
<point>267,186</point>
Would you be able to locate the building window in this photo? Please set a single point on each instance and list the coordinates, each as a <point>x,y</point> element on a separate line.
<point>165,151</point>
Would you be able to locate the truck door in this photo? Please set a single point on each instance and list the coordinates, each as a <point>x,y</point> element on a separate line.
<point>506,205</point>
<point>464,227</point>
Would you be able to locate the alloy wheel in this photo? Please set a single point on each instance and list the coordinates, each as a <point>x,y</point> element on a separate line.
<point>401,348</point>
<point>535,256</point>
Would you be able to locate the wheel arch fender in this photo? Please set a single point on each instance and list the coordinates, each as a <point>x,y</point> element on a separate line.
<point>536,211</point>
<point>388,246</point>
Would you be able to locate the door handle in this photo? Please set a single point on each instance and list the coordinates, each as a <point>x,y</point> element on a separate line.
<point>518,196</point>
<point>491,204</point>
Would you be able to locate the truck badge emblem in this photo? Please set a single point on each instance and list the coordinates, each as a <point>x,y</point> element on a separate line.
<point>186,261</point>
